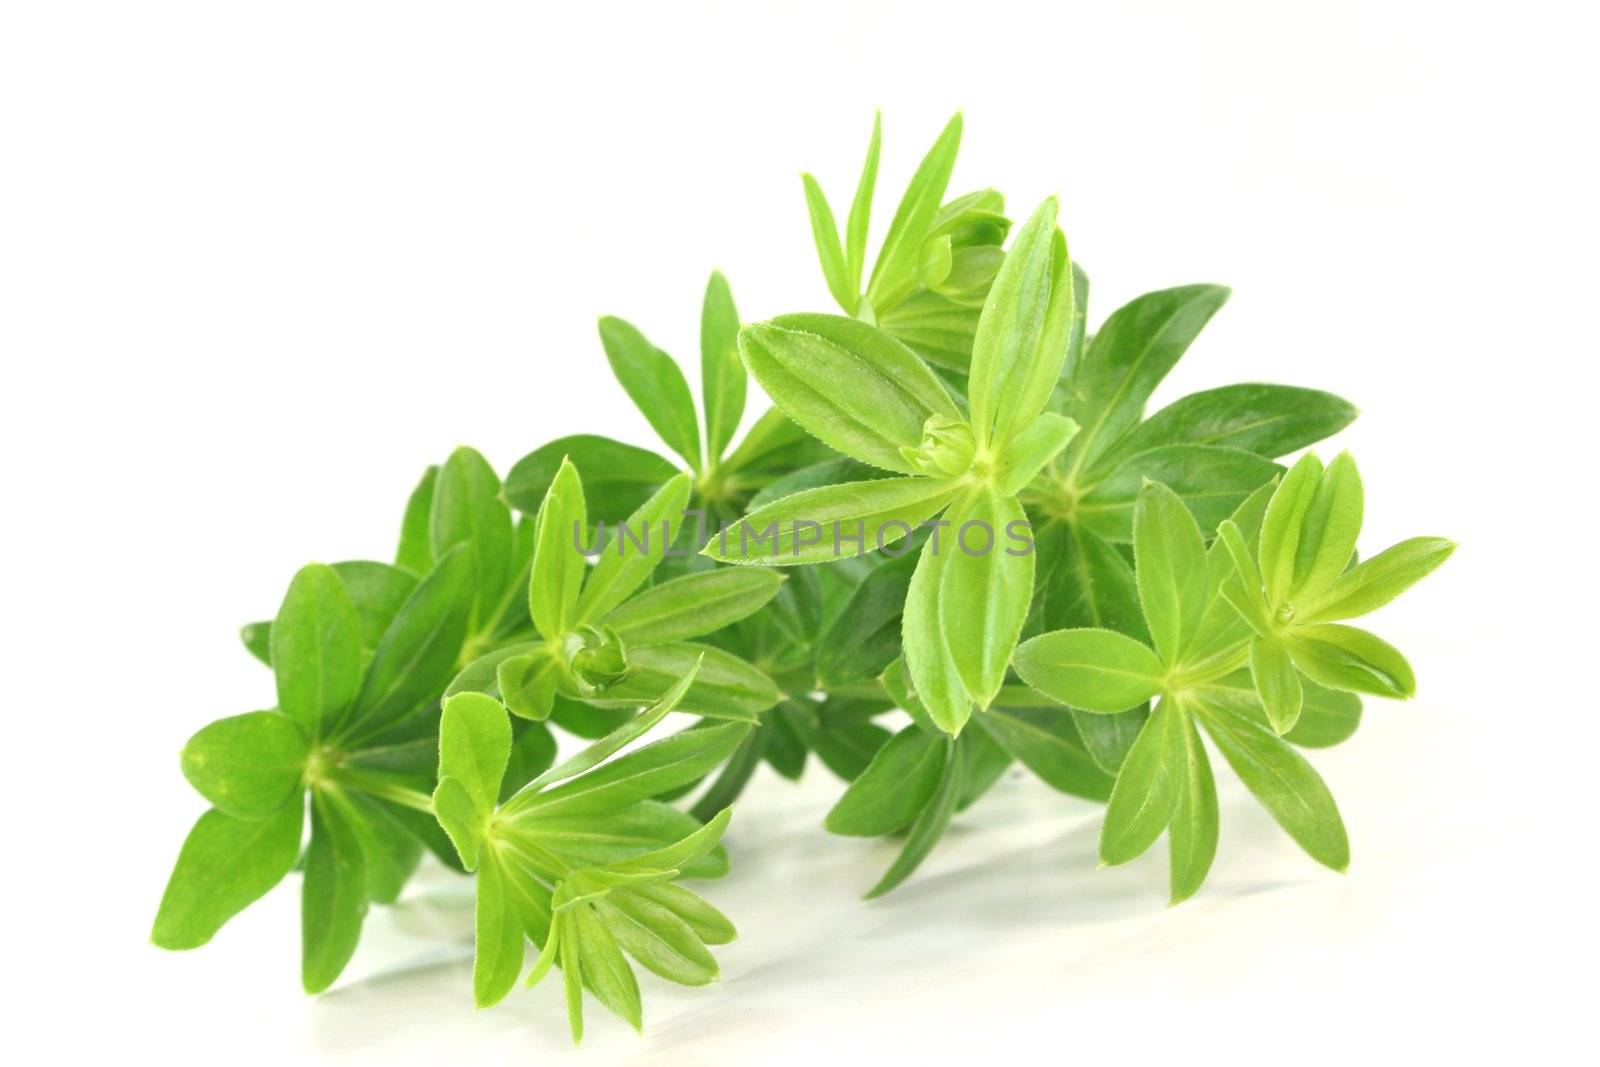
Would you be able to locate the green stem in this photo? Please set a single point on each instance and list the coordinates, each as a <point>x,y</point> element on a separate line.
<point>384,788</point>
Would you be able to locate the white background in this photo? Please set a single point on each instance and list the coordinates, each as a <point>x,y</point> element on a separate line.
<point>260,263</point>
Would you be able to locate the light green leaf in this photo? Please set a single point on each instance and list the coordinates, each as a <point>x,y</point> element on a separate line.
<point>656,386</point>
<point>861,214</point>
<point>558,565</point>
<point>615,837</point>
<point>467,510</point>
<point>1374,582</point>
<point>1095,670</point>
<point>248,766</point>
<point>644,773</point>
<point>1280,529</point>
<point>832,522</point>
<point>825,234</point>
<point>500,933</point>
<point>895,271</point>
<point>377,592</point>
<point>415,552</point>
<point>605,969</point>
<point>1277,682</point>
<point>1192,834</point>
<point>316,650</point>
<point>634,551</point>
<point>1148,787</point>
<point>461,818</point>
<point>475,746</point>
<point>722,376</point>
<point>1345,657</point>
<point>1287,786</point>
<point>895,787</point>
<point>1329,530</point>
<point>848,384</point>
<point>684,851</point>
<point>663,943</point>
<point>985,586</point>
<point>693,605</point>
<point>1021,338</point>
<point>1030,450</point>
<point>225,865</point>
<point>708,924</point>
<point>527,682</point>
<point>1170,568</point>
<point>333,897</point>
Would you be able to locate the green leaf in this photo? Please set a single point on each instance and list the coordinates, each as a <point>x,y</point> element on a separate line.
<point>1030,450</point>
<point>1046,742</point>
<point>1269,420</point>
<point>895,787</point>
<point>639,775</point>
<point>693,605</point>
<point>825,234</point>
<point>1374,582</point>
<point>225,865</point>
<point>475,747</point>
<point>1287,786</point>
<point>1094,670</point>
<point>1280,529</point>
<point>726,687</point>
<point>1083,581</point>
<point>257,640</point>
<point>1329,530</point>
<point>1148,786</point>
<point>662,943</point>
<point>708,924</point>
<point>499,933</point>
<point>1345,657</point>
<point>333,897</point>
<point>625,733</point>
<point>931,824</point>
<point>390,852</point>
<point>467,509</point>
<point>377,592</point>
<point>417,655</point>
<point>722,376</point>
<point>656,386</point>
<point>895,271</point>
<point>684,851</point>
<point>415,552</point>
<point>316,649</point>
<point>861,214</point>
<point>527,682</point>
<point>984,590</point>
<point>461,819</point>
<point>864,637</point>
<point>618,836</point>
<point>617,478</point>
<point>1021,338</point>
<point>833,522</point>
<point>1327,716</point>
<point>1277,682</point>
<point>1170,568</point>
<point>605,970</point>
<point>635,550</point>
<point>1192,834</point>
<point>1135,348</point>
<point>558,565</point>
<point>848,384</point>
<point>1109,737</point>
<point>248,766</point>
<point>1211,481</point>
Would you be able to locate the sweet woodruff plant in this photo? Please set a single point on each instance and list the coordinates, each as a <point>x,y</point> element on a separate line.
<point>956,542</point>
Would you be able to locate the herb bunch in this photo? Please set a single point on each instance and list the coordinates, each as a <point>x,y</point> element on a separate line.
<point>955,543</point>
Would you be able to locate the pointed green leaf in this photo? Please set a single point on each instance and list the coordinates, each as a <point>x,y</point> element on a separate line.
<point>1287,786</point>
<point>1148,786</point>
<point>895,787</point>
<point>861,214</point>
<point>1345,657</point>
<point>226,864</point>
<point>1170,569</point>
<point>333,897</point>
<point>832,522</point>
<point>1211,481</point>
<point>475,746</point>
<point>1277,683</point>
<point>1192,834</point>
<point>1281,528</point>
<point>634,551</point>
<point>726,687</point>
<point>693,605</point>
<point>1046,742</point>
<point>467,510</point>
<point>639,775</point>
<point>895,271</point>
<point>316,649</point>
<point>1329,530</point>
<point>1095,670</point>
<point>1374,582</point>
<point>825,234</point>
<point>930,825</point>
<point>558,564</point>
<point>722,375</point>
<point>617,478</point>
<point>499,930</point>
<point>1269,420</point>
<point>984,590</point>
<point>656,386</point>
<point>415,552</point>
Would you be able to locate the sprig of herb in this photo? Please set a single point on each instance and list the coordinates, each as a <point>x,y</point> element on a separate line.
<point>1139,584</point>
